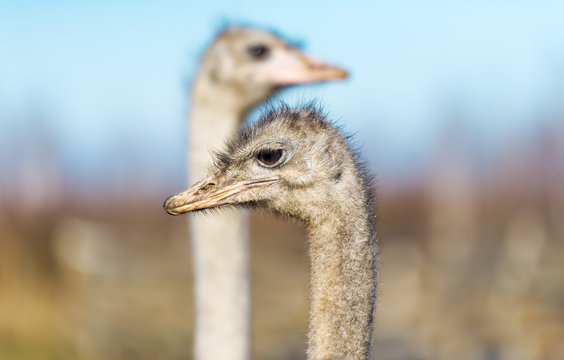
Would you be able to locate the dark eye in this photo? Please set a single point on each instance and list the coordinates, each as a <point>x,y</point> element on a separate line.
<point>258,51</point>
<point>270,158</point>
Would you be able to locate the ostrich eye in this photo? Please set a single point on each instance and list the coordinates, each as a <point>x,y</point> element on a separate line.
<point>270,158</point>
<point>258,51</point>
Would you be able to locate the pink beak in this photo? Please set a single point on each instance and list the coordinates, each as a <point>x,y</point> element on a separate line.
<point>291,66</point>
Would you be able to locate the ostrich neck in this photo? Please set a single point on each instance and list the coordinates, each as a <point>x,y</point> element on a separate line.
<point>219,242</point>
<point>215,116</point>
<point>343,284</point>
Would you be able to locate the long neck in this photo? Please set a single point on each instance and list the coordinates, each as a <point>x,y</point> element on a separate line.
<point>216,114</point>
<point>220,242</point>
<point>343,284</point>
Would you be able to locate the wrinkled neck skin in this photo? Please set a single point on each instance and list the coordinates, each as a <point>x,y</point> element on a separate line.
<point>343,284</point>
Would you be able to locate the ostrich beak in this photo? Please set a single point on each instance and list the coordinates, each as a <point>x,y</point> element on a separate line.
<point>292,67</point>
<point>206,194</point>
<point>316,70</point>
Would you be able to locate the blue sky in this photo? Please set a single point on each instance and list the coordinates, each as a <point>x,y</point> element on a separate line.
<point>107,76</point>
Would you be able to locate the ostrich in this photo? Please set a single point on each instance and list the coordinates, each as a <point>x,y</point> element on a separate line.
<point>240,69</point>
<point>295,163</point>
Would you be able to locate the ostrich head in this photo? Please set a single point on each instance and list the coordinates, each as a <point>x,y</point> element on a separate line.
<point>295,163</point>
<point>252,64</point>
<point>292,162</point>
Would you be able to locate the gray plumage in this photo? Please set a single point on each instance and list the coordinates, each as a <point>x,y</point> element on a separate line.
<point>296,163</point>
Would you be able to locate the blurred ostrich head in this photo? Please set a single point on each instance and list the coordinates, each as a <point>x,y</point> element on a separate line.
<point>251,64</point>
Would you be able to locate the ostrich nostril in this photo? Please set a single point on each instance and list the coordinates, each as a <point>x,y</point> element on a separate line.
<point>208,187</point>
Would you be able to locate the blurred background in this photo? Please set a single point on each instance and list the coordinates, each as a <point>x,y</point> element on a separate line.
<point>457,108</point>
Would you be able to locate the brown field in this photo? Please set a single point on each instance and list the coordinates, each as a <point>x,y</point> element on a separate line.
<point>466,272</point>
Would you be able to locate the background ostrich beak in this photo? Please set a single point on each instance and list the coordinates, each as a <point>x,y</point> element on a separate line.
<point>317,70</point>
<point>292,67</point>
<point>206,194</point>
